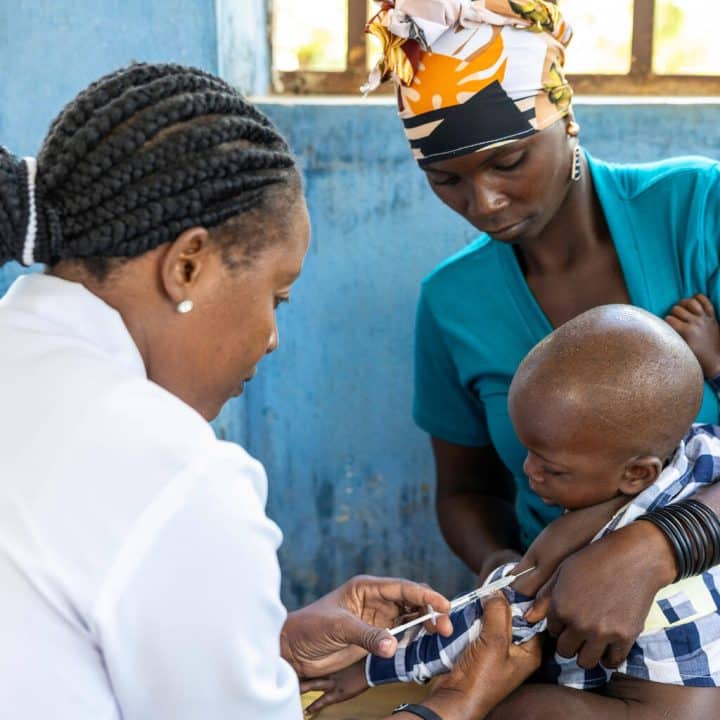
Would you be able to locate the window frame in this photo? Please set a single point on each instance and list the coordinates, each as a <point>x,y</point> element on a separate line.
<point>640,80</point>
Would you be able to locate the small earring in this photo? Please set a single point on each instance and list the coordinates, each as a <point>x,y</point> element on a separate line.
<point>576,172</point>
<point>184,307</point>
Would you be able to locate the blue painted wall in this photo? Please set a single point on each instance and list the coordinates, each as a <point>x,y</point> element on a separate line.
<point>329,414</point>
<point>50,50</point>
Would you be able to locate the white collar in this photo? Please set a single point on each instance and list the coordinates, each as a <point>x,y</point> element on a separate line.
<point>78,312</point>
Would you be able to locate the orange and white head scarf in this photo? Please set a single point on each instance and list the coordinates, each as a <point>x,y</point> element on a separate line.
<point>472,74</point>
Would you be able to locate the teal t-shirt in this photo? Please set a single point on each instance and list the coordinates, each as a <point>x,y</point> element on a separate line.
<point>477,318</point>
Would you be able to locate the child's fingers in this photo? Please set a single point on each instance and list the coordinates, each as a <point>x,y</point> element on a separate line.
<point>317,684</point>
<point>706,304</point>
<point>682,313</point>
<point>693,305</point>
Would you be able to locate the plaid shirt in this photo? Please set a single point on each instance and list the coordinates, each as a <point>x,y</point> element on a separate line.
<point>680,643</point>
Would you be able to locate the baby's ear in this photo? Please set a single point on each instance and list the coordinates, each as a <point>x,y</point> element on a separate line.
<point>639,473</point>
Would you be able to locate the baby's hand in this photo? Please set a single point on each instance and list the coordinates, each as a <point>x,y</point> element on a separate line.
<point>560,539</point>
<point>694,319</point>
<point>336,688</point>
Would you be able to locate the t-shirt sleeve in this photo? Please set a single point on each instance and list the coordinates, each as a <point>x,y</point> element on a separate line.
<point>189,618</point>
<point>711,232</point>
<point>442,406</point>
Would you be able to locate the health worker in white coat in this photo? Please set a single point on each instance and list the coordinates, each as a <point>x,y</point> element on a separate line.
<point>138,570</point>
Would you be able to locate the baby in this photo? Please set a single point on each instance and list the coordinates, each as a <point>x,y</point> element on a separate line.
<point>604,406</point>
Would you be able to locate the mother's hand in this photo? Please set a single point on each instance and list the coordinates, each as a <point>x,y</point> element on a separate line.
<point>343,626</point>
<point>597,602</point>
<point>488,670</point>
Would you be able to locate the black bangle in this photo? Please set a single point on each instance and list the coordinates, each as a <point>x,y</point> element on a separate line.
<point>697,536</point>
<point>693,531</point>
<point>680,544</point>
<point>708,525</point>
<point>711,526</point>
<point>420,710</point>
<point>683,539</point>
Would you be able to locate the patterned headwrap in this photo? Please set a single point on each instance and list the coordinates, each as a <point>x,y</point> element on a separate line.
<point>472,74</point>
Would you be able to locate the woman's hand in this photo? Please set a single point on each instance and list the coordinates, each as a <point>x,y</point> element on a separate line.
<point>340,628</point>
<point>489,669</point>
<point>597,602</point>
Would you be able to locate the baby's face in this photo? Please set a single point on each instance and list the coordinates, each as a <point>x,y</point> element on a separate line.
<point>569,462</point>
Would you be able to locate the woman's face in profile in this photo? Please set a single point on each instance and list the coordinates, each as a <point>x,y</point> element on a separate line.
<point>234,324</point>
<point>510,192</point>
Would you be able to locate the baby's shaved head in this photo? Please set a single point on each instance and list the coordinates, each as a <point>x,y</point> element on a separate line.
<point>619,371</point>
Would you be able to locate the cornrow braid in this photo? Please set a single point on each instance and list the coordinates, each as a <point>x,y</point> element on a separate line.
<point>102,92</point>
<point>139,156</point>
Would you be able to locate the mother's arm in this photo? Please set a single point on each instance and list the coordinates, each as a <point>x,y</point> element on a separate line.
<point>601,595</point>
<point>474,502</point>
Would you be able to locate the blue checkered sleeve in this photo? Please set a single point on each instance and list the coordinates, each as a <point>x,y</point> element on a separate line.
<point>422,655</point>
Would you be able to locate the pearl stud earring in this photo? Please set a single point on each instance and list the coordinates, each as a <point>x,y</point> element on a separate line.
<point>184,307</point>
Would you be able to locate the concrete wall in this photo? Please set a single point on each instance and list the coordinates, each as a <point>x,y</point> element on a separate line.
<point>52,49</point>
<point>329,414</point>
<point>244,44</point>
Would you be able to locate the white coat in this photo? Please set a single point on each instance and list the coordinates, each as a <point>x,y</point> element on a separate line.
<point>138,570</point>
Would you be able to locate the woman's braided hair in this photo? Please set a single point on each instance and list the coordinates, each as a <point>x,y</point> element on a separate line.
<point>139,156</point>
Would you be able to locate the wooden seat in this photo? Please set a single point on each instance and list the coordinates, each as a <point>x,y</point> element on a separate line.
<point>374,704</point>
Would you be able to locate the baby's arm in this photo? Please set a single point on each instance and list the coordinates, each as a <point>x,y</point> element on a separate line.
<point>560,539</point>
<point>421,656</point>
<point>694,319</point>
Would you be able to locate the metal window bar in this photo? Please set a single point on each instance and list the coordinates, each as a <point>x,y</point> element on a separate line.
<point>641,80</point>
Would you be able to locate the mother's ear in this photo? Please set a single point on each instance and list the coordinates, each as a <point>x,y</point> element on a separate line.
<point>183,264</point>
<point>639,473</point>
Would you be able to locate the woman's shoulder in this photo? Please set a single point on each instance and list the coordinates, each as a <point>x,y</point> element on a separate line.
<point>663,176</point>
<point>158,421</point>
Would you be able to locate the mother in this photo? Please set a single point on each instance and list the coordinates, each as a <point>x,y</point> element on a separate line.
<point>138,569</point>
<point>487,112</point>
